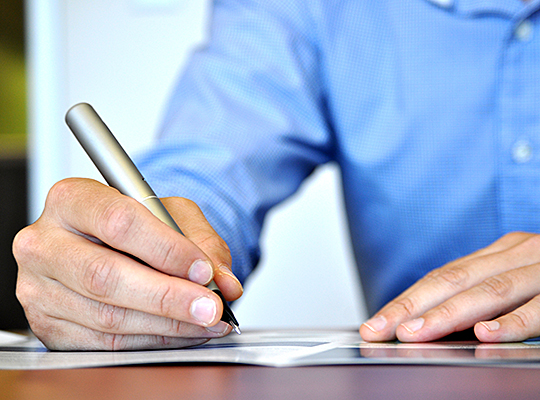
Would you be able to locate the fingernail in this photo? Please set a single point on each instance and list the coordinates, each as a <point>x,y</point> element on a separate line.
<point>203,310</point>
<point>414,325</point>
<point>376,324</point>
<point>491,325</point>
<point>223,269</point>
<point>200,272</point>
<point>221,327</point>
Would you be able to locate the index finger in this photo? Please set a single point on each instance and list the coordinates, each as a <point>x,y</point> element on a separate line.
<point>92,209</point>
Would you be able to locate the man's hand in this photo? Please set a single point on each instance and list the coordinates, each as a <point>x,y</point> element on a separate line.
<point>99,271</point>
<point>496,290</point>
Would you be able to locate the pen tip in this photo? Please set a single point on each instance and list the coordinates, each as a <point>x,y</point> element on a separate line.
<point>236,328</point>
<point>228,315</point>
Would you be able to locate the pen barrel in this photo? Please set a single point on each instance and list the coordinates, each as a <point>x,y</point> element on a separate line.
<point>157,208</point>
<point>112,161</point>
<point>104,150</point>
<point>121,173</point>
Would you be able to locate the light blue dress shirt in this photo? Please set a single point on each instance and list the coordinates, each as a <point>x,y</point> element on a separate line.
<point>431,108</point>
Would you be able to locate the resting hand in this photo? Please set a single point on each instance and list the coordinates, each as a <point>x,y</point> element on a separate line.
<point>85,281</point>
<point>496,290</point>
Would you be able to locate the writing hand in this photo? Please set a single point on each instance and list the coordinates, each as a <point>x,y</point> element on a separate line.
<point>495,289</point>
<point>99,271</point>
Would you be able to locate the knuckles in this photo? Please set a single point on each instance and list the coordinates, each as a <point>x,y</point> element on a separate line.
<point>117,220</point>
<point>67,191</point>
<point>408,308</point>
<point>26,245</point>
<point>172,255</point>
<point>101,277</point>
<point>61,191</point>
<point>29,251</point>
<point>43,326</point>
<point>113,341</point>
<point>217,245</point>
<point>176,327</point>
<point>164,300</point>
<point>455,276</point>
<point>113,215</point>
<point>26,293</point>
<point>447,311</point>
<point>111,318</point>
<point>521,319</point>
<point>499,286</point>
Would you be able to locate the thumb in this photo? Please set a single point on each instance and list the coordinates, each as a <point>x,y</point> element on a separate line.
<point>196,228</point>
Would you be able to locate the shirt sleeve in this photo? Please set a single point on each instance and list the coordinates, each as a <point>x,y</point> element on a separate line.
<point>247,121</point>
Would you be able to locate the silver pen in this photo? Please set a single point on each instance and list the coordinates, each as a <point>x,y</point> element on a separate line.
<point>121,173</point>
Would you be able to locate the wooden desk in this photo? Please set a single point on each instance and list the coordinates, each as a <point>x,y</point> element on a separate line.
<point>244,382</point>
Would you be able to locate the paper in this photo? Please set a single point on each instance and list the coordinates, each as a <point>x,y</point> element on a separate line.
<point>285,348</point>
<point>8,338</point>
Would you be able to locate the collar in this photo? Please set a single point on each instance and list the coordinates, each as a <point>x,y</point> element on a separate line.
<point>442,3</point>
<point>509,8</point>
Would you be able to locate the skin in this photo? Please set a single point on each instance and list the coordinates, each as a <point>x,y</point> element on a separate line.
<point>80,293</point>
<point>81,290</point>
<point>495,290</point>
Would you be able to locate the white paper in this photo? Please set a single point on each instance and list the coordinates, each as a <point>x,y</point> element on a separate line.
<point>284,348</point>
<point>9,338</point>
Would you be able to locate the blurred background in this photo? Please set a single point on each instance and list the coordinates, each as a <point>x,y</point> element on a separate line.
<point>123,57</point>
<point>13,201</point>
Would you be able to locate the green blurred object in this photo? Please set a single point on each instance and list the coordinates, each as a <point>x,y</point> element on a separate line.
<point>12,99</point>
<point>13,191</point>
<point>12,77</point>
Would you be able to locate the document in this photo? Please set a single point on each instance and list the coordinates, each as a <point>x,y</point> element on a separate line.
<point>280,348</point>
<point>9,338</point>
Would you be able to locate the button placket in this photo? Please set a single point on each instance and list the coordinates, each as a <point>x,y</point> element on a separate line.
<point>519,176</point>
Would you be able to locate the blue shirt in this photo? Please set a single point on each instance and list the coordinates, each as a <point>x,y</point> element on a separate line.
<point>431,108</point>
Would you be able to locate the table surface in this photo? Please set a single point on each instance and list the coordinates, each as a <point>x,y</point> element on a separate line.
<point>247,382</point>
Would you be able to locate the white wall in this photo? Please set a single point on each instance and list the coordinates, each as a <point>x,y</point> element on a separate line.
<point>123,56</point>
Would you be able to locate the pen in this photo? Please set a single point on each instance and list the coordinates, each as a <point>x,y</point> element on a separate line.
<point>121,173</point>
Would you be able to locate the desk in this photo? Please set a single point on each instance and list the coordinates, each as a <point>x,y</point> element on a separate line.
<point>246,382</point>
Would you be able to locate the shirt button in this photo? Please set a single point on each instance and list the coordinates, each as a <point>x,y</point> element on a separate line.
<point>522,151</point>
<point>524,31</point>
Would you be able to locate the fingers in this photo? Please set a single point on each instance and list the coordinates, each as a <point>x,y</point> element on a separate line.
<point>490,298</point>
<point>518,325</point>
<point>65,335</point>
<point>104,275</point>
<point>106,293</point>
<point>65,320</point>
<point>95,210</point>
<point>126,225</point>
<point>444,301</point>
<point>195,226</point>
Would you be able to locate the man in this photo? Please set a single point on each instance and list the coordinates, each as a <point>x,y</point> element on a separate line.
<point>429,108</point>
